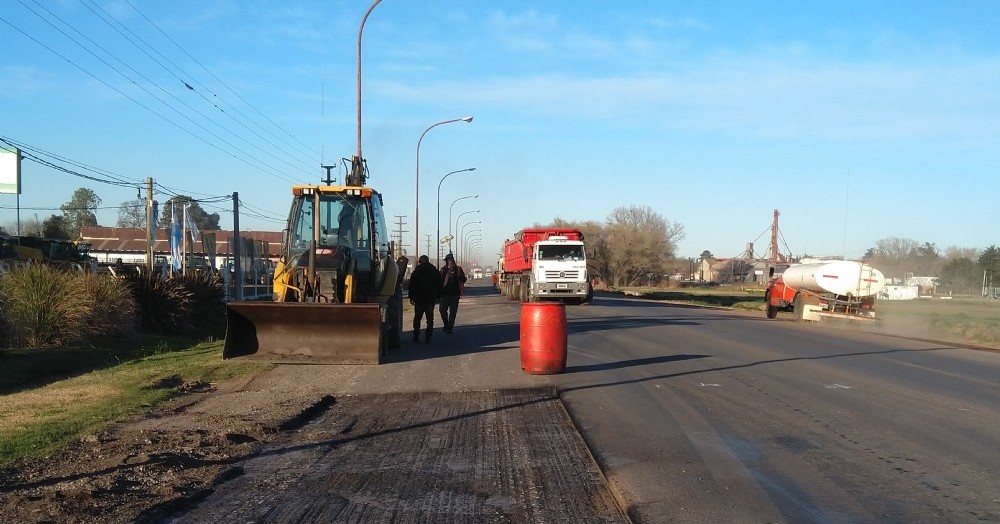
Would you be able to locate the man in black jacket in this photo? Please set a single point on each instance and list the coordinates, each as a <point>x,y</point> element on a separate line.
<point>452,289</point>
<point>425,289</point>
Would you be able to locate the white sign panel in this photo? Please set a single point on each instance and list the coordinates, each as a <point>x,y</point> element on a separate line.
<point>10,170</point>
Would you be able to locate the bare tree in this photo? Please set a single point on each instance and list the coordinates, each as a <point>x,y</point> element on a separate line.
<point>895,256</point>
<point>639,242</point>
<point>955,252</point>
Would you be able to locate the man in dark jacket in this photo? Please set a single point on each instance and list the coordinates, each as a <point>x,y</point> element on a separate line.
<point>425,288</point>
<point>452,289</point>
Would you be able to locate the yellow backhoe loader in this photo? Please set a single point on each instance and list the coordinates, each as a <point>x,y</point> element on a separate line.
<point>333,284</point>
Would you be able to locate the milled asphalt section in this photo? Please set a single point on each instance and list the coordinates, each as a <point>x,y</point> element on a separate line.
<point>509,455</point>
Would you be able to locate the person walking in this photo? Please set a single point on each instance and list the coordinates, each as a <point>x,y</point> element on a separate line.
<point>425,289</point>
<point>452,288</point>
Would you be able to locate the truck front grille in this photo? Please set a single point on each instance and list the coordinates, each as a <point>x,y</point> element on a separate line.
<point>562,275</point>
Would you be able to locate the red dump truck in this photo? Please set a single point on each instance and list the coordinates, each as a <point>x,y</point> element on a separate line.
<point>829,288</point>
<point>545,264</point>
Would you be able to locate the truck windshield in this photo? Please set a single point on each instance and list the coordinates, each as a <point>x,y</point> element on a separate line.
<point>560,252</point>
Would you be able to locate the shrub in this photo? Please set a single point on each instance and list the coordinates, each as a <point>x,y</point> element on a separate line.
<point>114,311</point>
<point>44,307</point>
<point>164,306</point>
<point>208,307</point>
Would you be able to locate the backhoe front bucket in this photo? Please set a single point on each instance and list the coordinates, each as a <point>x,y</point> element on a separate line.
<point>310,333</point>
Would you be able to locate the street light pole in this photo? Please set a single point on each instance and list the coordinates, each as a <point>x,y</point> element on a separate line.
<point>459,247</point>
<point>416,212</point>
<point>439,211</point>
<point>360,29</point>
<point>457,238</point>
<point>450,209</point>
<point>468,237</point>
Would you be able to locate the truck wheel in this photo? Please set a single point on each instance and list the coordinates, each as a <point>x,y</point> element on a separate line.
<point>772,311</point>
<point>799,306</point>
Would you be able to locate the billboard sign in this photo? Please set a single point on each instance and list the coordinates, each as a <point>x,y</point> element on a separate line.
<point>10,170</point>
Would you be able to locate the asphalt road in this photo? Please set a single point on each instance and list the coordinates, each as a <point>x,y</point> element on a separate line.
<point>703,415</point>
<point>700,415</point>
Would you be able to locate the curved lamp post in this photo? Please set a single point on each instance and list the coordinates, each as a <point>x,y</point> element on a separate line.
<point>456,239</point>
<point>360,29</point>
<point>470,241</point>
<point>462,235</point>
<point>439,211</point>
<point>416,219</point>
<point>450,209</point>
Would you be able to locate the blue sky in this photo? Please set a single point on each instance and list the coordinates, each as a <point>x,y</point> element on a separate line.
<point>858,121</point>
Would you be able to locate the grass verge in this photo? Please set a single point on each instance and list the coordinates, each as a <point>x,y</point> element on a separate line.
<point>969,320</point>
<point>35,422</point>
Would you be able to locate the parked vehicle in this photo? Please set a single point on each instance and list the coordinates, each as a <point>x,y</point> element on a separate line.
<point>545,264</point>
<point>332,285</point>
<point>835,288</point>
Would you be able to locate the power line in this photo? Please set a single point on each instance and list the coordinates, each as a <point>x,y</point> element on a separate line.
<point>237,95</point>
<point>269,169</point>
<point>187,85</point>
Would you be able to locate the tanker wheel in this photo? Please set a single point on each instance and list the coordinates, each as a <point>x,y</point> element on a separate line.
<point>772,311</point>
<point>799,306</point>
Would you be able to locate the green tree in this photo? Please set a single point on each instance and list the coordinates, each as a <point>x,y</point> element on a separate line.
<point>204,220</point>
<point>55,227</point>
<point>961,275</point>
<point>989,260</point>
<point>79,211</point>
<point>927,261</point>
<point>132,213</point>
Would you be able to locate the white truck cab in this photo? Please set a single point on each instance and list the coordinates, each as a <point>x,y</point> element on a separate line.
<point>559,270</point>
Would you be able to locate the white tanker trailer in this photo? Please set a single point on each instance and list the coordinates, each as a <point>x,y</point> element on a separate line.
<point>836,287</point>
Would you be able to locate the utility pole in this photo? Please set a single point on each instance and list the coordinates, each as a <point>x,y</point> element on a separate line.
<point>237,267</point>
<point>399,234</point>
<point>428,243</point>
<point>328,180</point>
<point>150,236</point>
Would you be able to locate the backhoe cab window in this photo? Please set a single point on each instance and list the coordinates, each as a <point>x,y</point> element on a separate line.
<point>558,252</point>
<point>343,222</point>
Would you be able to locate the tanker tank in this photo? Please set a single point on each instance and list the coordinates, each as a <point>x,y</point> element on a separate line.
<point>840,277</point>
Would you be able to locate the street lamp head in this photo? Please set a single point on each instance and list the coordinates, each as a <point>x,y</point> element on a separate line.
<point>472,169</point>
<point>467,119</point>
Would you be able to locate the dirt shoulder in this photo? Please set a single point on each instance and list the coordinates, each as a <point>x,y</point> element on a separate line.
<point>173,453</point>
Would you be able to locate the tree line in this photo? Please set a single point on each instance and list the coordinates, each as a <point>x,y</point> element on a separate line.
<point>80,211</point>
<point>958,270</point>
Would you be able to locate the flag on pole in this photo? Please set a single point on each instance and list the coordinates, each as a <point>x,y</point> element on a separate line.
<point>193,228</point>
<point>175,238</point>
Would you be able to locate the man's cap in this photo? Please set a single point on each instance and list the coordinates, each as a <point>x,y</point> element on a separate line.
<point>424,259</point>
<point>449,257</point>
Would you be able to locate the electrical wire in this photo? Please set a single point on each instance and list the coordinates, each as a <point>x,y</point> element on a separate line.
<point>268,169</point>
<point>237,95</point>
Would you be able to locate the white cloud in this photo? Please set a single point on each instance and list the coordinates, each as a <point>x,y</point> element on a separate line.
<point>754,96</point>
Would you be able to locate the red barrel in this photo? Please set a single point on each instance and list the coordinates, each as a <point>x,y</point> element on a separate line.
<point>543,338</point>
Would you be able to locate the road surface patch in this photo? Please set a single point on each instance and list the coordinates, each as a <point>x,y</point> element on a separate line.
<point>491,456</point>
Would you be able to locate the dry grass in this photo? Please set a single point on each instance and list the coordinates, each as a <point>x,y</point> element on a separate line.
<point>33,422</point>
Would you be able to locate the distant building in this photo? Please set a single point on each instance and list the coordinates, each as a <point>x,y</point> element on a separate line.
<point>110,245</point>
